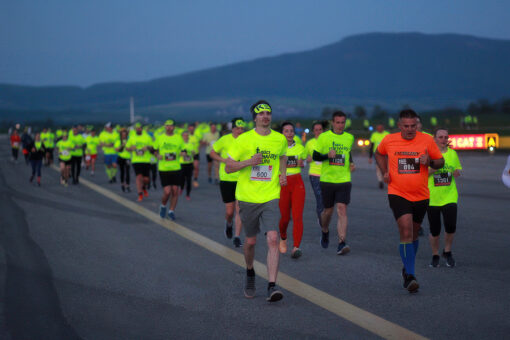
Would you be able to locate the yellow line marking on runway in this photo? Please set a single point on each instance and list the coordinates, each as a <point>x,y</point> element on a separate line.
<point>345,310</point>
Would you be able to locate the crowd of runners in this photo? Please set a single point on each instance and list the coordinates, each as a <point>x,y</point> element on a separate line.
<point>259,175</point>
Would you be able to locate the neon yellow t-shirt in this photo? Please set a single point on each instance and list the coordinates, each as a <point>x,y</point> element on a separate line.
<point>139,142</point>
<point>259,183</point>
<point>294,153</point>
<point>442,186</point>
<point>335,170</point>
<point>210,138</point>
<point>78,141</point>
<point>221,147</point>
<point>124,154</point>
<point>189,148</point>
<point>92,144</point>
<point>376,138</point>
<point>64,149</point>
<point>315,167</point>
<point>108,140</point>
<point>169,148</point>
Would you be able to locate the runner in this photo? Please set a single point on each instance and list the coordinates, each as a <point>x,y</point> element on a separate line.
<point>26,140</point>
<point>404,158</point>
<point>76,154</point>
<point>140,146</point>
<point>168,149</point>
<point>260,157</point>
<point>376,138</point>
<point>292,196</point>
<point>107,139</point>
<point>65,146</point>
<point>443,199</point>
<point>335,146</point>
<point>123,160</point>
<point>49,144</point>
<point>314,173</point>
<point>228,182</point>
<point>36,154</point>
<point>195,137</point>
<point>15,145</point>
<point>208,140</point>
<point>186,160</point>
<point>92,142</point>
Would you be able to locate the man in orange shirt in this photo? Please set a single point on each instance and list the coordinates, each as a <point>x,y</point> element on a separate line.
<point>404,158</point>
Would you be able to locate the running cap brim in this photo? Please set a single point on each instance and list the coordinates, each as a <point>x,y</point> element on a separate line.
<point>169,122</point>
<point>240,123</point>
<point>262,107</point>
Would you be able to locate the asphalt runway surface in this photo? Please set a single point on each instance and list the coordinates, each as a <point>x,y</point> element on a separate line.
<point>75,264</point>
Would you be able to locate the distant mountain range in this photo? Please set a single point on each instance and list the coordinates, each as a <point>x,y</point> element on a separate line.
<point>391,69</point>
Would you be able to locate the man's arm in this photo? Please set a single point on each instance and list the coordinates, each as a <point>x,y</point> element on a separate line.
<point>382,163</point>
<point>283,170</point>
<point>319,157</point>
<point>214,155</point>
<point>234,166</point>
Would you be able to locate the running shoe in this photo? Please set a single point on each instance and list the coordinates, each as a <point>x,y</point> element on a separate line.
<point>110,181</point>
<point>145,193</point>
<point>237,242</point>
<point>325,240</point>
<point>31,179</point>
<point>188,198</point>
<point>296,253</point>
<point>140,197</point>
<point>381,185</point>
<point>162,211</point>
<point>411,284</point>
<point>274,294</point>
<point>114,179</point>
<point>435,261</point>
<point>249,287</point>
<point>195,184</point>
<point>450,262</point>
<point>171,215</point>
<point>128,189</point>
<point>228,230</point>
<point>343,248</point>
<point>283,246</point>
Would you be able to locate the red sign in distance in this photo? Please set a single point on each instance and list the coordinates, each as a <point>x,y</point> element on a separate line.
<point>468,142</point>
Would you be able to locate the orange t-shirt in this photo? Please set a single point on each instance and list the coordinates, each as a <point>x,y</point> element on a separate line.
<point>408,178</point>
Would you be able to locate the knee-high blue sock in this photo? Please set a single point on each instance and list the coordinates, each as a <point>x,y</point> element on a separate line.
<point>416,243</point>
<point>407,254</point>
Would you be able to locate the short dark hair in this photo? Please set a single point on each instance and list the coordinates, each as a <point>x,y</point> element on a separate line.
<point>407,113</point>
<point>439,129</point>
<point>338,114</point>
<point>252,108</point>
<point>318,122</point>
<point>282,125</point>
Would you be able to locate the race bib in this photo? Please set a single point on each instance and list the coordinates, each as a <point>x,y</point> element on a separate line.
<point>15,145</point>
<point>64,153</point>
<point>442,179</point>
<point>170,156</point>
<point>292,162</point>
<point>261,173</point>
<point>408,165</point>
<point>140,152</point>
<point>338,160</point>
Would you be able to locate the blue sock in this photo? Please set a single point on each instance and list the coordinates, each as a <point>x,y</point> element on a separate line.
<point>407,254</point>
<point>416,243</point>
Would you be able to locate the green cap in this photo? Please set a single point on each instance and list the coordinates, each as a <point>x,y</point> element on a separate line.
<point>169,122</point>
<point>240,123</point>
<point>138,125</point>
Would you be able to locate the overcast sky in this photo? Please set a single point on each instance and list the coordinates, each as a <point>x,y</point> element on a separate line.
<point>82,42</point>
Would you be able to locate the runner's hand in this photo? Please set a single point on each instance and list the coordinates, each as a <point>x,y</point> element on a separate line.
<point>386,178</point>
<point>456,173</point>
<point>352,167</point>
<point>283,180</point>
<point>256,159</point>
<point>300,163</point>
<point>425,159</point>
<point>332,153</point>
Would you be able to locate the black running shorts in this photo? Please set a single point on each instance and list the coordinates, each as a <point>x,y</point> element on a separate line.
<point>170,178</point>
<point>228,191</point>
<point>143,169</point>
<point>335,193</point>
<point>401,206</point>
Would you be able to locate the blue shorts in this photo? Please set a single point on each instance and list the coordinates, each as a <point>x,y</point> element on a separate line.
<point>110,159</point>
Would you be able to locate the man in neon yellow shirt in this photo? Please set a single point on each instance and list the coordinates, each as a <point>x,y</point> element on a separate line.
<point>228,182</point>
<point>260,157</point>
<point>376,138</point>
<point>314,173</point>
<point>48,139</point>
<point>195,137</point>
<point>443,200</point>
<point>140,146</point>
<point>334,150</point>
<point>168,149</point>
<point>77,154</point>
<point>65,146</point>
<point>208,140</point>
<point>92,142</point>
<point>107,138</point>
